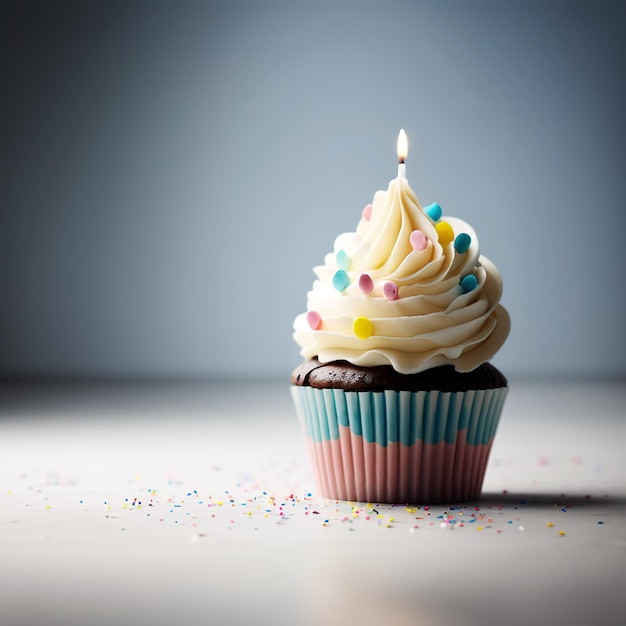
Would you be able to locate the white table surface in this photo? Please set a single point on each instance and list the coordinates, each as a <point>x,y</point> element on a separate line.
<point>194,504</point>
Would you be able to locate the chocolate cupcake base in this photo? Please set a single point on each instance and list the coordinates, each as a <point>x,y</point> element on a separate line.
<point>344,375</point>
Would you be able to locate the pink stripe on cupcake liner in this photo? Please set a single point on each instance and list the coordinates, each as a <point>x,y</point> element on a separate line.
<point>350,468</point>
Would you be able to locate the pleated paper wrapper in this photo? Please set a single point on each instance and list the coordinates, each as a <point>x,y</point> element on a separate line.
<point>399,446</point>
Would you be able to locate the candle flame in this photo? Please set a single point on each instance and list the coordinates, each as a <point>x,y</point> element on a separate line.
<point>403,146</point>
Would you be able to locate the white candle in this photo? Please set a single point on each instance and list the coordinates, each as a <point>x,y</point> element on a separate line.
<point>403,150</point>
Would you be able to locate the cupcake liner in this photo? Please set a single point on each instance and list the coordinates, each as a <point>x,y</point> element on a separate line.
<point>399,446</point>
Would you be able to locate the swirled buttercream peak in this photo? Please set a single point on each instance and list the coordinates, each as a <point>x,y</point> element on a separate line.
<point>409,288</point>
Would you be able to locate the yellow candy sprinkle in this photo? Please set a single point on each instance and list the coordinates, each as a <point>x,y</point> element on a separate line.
<point>445,233</point>
<point>549,524</point>
<point>362,327</point>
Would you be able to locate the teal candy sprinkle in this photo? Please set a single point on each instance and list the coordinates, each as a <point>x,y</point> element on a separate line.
<point>343,260</point>
<point>341,280</point>
<point>433,211</point>
<point>462,243</point>
<point>469,283</point>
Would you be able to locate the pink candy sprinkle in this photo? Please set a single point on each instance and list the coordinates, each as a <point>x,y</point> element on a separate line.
<point>366,284</point>
<point>419,241</point>
<point>367,213</point>
<point>391,291</point>
<point>314,319</point>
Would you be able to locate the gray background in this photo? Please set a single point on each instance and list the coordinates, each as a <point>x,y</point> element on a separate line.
<point>172,171</point>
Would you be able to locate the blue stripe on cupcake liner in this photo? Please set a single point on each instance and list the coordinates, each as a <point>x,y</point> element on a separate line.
<point>400,416</point>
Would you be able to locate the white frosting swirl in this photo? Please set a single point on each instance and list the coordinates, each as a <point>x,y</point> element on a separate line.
<point>432,320</point>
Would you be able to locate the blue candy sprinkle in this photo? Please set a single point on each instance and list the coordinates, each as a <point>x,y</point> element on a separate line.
<point>343,260</point>
<point>462,243</point>
<point>341,280</point>
<point>433,211</point>
<point>469,283</point>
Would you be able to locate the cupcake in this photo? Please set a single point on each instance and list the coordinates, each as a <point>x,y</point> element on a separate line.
<point>395,394</point>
